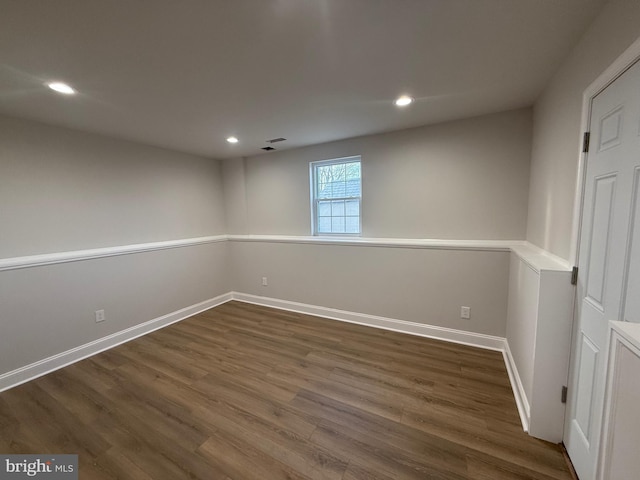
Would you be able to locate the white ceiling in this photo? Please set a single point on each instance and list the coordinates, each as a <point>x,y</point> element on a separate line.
<point>186,74</point>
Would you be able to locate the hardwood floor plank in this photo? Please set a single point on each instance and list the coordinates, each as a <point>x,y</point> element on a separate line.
<point>115,464</point>
<point>284,446</point>
<point>85,403</point>
<point>241,460</point>
<point>365,423</point>
<point>473,433</point>
<point>336,439</point>
<point>373,402</point>
<point>170,422</point>
<point>490,468</point>
<point>247,392</point>
<point>356,471</point>
<point>269,409</point>
<point>153,452</point>
<point>393,391</point>
<point>444,457</point>
<point>51,421</point>
<point>170,363</point>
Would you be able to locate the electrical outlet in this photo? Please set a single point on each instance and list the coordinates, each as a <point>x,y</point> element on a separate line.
<point>465,312</point>
<point>264,281</point>
<point>100,316</point>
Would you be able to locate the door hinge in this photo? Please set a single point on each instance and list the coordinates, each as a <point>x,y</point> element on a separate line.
<point>564,394</point>
<point>585,142</point>
<point>574,276</point>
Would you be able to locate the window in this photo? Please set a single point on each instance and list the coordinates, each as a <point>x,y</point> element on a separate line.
<point>336,194</point>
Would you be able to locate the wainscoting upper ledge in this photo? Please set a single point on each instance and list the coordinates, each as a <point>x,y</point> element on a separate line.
<point>77,255</point>
<point>540,260</point>
<point>490,245</point>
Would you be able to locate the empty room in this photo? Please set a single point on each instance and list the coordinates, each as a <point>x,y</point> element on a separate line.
<point>320,239</point>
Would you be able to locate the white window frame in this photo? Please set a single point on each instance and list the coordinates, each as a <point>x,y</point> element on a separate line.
<point>314,198</point>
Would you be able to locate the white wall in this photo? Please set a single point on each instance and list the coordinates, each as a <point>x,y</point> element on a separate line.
<point>63,190</point>
<point>458,180</point>
<point>48,310</point>
<point>235,195</point>
<point>425,286</point>
<point>556,125</point>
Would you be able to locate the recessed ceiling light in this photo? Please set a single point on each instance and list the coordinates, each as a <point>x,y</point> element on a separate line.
<point>403,101</point>
<point>61,88</point>
<point>232,140</point>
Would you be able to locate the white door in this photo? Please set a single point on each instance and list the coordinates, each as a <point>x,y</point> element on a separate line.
<point>609,264</point>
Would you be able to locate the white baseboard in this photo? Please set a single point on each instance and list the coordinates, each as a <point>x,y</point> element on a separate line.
<point>516,385</point>
<point>30,372</point>
<point>489,342</point>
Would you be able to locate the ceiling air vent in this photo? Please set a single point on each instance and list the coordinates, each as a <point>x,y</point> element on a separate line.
<point>276,140</point>
<point>268,149</point>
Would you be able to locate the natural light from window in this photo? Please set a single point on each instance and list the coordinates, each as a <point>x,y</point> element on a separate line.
<point>336,196</point>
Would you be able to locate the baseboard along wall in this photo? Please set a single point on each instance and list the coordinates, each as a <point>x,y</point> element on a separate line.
<point>412,328</point>
<point>524,410</point>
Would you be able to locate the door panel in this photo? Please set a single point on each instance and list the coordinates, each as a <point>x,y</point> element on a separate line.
<point>631,311</point>
<point>600,233</point>
<point>611,128</point>
<point>584,402</point>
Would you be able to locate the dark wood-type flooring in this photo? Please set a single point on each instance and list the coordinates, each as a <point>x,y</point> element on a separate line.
<point>247,392</point>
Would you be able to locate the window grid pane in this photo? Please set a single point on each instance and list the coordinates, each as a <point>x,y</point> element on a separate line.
<point>337,224</point>
<point>352,207</point>
<point>324,209</point>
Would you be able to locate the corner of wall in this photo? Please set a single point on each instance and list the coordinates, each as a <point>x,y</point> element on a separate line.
<point>235,195</point>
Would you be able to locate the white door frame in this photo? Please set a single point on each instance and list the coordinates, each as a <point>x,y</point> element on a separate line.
<point>629,57</point>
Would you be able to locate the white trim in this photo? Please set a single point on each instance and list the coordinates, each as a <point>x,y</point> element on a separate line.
<point>42,367</point>
<point>630,56</point>
<point>524,410</point>
<point>540,260</point>
<point>480,340</point>
<point>491,245</point>
<point>77,255</point>
<point>534,256</point>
